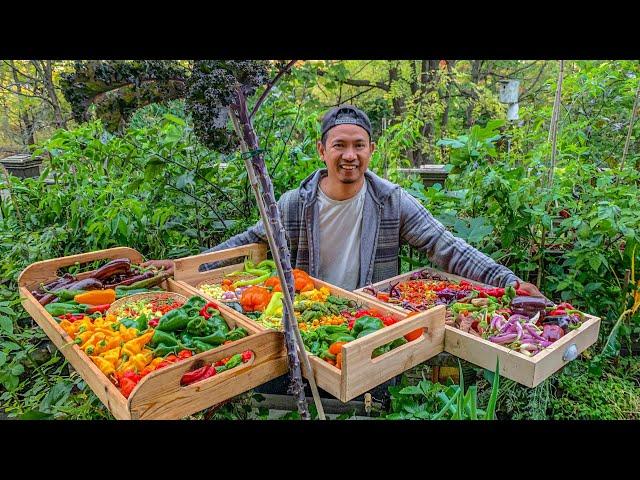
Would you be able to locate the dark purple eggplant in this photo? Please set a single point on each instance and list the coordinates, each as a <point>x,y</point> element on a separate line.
<point>130,280</point>
<point>60,282</point>
<point>117,266</point>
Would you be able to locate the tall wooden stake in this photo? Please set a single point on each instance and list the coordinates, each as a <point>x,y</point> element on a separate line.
<point>257,172</point>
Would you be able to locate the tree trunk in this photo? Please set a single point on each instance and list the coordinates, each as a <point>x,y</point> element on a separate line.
<point>444,123</point>
<point>475,78</point>
<point>60,122</point>
<point>26,123</point>
<point>399,107</point>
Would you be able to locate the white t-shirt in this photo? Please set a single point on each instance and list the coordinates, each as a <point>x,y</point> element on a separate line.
<point>340,229</point>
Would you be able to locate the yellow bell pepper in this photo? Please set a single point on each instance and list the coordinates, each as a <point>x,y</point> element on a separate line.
<point>105,366</point>
<point>132,347</point>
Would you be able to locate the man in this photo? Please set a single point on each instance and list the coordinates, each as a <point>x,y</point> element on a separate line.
<point>345,224</point>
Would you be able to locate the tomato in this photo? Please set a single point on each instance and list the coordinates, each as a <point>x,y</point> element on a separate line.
<point>336,348</point>
<point>411,336</point>
<point>126,386</point>
<point>339,360</point>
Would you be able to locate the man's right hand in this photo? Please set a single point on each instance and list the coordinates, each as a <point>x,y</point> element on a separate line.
<point>167,265</point>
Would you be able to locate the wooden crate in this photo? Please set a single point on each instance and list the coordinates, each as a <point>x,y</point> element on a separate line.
<point>159,394</point>
<point>359,372</point>
<point>528,371</point>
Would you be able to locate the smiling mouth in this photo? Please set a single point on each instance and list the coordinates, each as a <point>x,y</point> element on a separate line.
<point>349,167</point>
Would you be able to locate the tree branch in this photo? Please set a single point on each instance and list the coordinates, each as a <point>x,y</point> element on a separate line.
<point>270,85</point>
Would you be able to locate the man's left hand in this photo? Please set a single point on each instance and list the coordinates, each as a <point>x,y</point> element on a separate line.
<point>530,289</point>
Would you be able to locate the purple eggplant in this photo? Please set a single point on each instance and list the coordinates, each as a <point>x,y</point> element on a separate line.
<point>114,267</point>
<point>503,339</point>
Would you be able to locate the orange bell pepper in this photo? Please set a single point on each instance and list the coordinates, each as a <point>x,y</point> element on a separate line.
<point>96,297</point>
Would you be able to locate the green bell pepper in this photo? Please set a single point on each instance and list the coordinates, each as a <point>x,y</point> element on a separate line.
<point>366,323</point>
<point>163,350</point>
<point>176,319</point>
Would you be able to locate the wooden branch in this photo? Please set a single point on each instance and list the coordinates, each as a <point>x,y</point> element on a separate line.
<point>356,82</point>
<point>270,85</point>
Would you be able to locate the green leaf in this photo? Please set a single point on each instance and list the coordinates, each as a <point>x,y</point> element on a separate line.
<point>10,382</point>
<point>6,325</point>
<point>490,413</point>
<point>17,369</point>
<point>35,415</point>
<point>411,390</point>
<point>7,310</point>
<point>3,358</point>
<point>56,396</point>
<point>595,261</point>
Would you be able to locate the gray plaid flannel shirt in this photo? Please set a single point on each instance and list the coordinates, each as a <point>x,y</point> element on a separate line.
<point>390,215</point>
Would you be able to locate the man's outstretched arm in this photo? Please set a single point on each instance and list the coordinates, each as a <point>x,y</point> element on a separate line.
<point>422,231</point>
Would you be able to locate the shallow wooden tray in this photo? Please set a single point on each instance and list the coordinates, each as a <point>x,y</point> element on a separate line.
<point>528,371</point>
<point>159,394</point>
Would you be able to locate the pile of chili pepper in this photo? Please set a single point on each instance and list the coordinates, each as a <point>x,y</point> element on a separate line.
<point>200,373</point>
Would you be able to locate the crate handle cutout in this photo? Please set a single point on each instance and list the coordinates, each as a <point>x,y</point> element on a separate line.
<point>188,267</point>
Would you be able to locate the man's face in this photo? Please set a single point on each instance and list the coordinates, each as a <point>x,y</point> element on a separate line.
<point>346,153</point>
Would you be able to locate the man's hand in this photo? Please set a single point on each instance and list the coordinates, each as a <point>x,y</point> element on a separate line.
<point>530,289</point>
<point>166,265</point>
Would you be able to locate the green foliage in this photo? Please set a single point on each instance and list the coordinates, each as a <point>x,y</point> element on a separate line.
<point>434,401</point>
<point>582,396</point>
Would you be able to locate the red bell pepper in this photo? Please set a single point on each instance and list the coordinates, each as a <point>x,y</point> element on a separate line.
<point>154,323</point>
<point>246,356</point>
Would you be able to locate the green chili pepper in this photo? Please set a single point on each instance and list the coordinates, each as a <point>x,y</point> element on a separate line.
<point>236,334</point>
<point>253,281</point>
<point>234,361</point>
<point>163,350</point>
<point>163,338</point>
<point>216,338</point>
<point>197,326</point>
<point>270,264</point>
<point>56,309</point>
<point>201,346</point>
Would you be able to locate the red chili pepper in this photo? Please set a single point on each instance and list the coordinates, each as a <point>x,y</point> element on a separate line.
<point>246,356</point>
<point>98,308</point>
<point>154,323</point>
<point>193,376</point>
<point>205,310</point>
<point>387,321</point>
<point>558,311</point>
<point>566,306</point>
<point>521,292</point>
